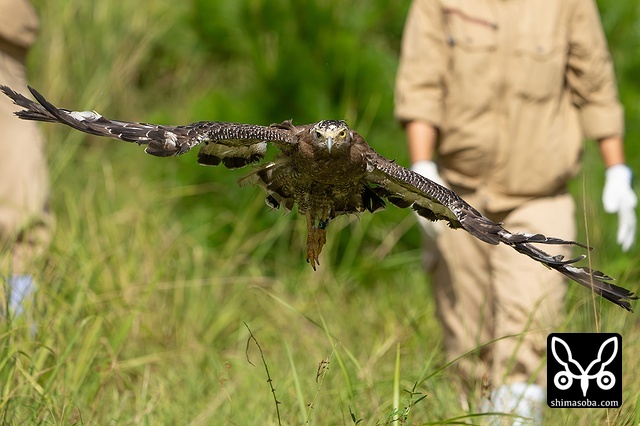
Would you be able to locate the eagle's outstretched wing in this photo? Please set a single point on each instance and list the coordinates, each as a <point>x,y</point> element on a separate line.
<point>236,145</point>
<point>404,188</point>
<point>232,144</point>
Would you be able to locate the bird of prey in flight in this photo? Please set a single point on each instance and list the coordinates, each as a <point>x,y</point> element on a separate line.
<point>328,170</point>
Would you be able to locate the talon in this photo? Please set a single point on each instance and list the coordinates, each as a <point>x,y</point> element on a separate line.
<point>316,239</point>
<point>313,252</point>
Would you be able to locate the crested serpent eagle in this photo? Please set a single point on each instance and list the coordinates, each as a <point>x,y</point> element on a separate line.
<point>328,170</point>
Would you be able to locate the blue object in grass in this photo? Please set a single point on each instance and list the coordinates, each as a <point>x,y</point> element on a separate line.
<point>21,287</point>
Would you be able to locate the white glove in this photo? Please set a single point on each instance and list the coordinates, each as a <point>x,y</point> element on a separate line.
<point>618,197</point>
<point>429,170</point>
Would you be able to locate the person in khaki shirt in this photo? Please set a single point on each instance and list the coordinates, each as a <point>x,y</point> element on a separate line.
<point>23,171</point>
<point>496,97</point>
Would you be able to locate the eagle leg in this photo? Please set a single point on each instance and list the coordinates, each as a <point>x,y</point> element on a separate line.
<point>316,237</point>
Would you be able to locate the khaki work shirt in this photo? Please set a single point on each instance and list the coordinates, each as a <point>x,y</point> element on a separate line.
<point>513,86</point>
<point>18,27</point>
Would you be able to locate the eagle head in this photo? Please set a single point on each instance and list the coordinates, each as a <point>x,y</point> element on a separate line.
<point>331,134</point>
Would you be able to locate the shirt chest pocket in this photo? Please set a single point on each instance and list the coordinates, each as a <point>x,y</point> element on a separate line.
<point>473,41</point>
<point>539,67</point>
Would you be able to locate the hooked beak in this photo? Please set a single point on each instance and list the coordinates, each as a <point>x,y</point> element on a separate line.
<point>329,143</point>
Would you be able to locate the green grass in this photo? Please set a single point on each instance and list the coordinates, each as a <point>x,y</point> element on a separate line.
<point>158,269</point>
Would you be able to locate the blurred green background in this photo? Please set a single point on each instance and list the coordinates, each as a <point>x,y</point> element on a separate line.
<point>157,264</point>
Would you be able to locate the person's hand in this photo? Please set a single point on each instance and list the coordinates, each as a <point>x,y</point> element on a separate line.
<point>429,170</point>
<point>618,197</point>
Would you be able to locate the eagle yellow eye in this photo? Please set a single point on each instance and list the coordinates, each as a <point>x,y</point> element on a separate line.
<point>343,134</point>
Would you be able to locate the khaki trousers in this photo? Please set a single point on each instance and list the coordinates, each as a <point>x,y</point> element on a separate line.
<point>486,292</point>
<point>24,187</point>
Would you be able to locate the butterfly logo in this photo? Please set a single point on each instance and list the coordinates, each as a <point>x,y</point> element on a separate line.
<point>595,370</point>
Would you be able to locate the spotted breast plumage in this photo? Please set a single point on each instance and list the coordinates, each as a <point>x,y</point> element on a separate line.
<point>328,170</point>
